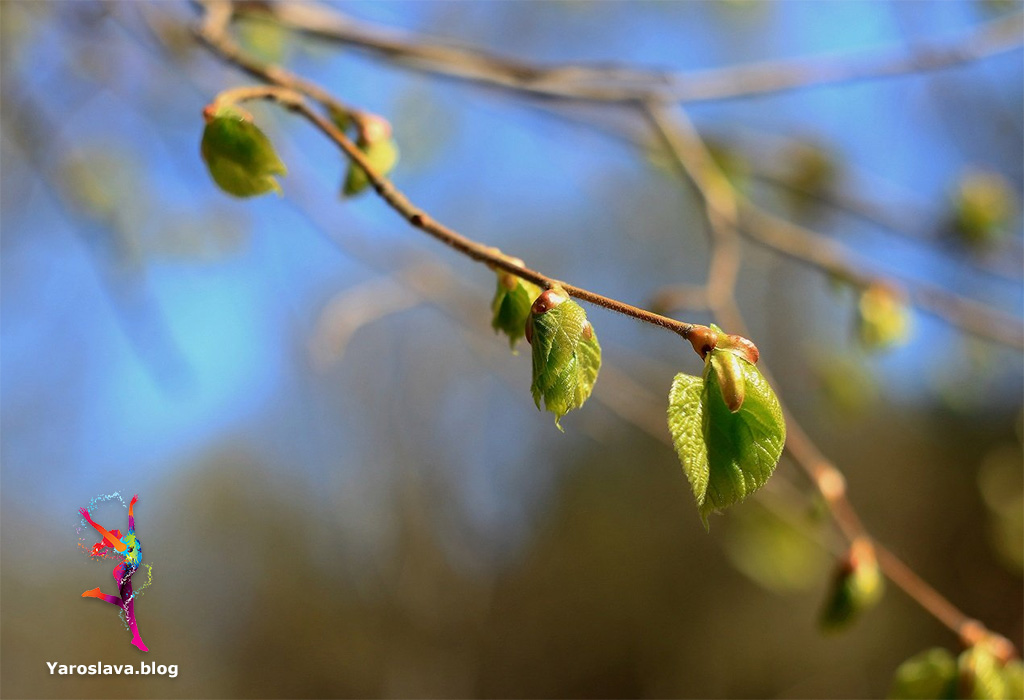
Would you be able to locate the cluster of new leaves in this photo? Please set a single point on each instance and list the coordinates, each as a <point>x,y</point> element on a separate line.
<point>726,425</point>
<point>977,674</point>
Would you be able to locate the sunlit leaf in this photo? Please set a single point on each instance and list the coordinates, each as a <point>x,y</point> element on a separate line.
<point>778,552</point>
<point>726,454</point>
<point>566,354</point>
<point>983,206</point>
<point>239,156</point>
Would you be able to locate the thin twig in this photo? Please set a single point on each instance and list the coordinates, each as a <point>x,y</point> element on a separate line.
<point>619,84</point>
<point>418,218</point>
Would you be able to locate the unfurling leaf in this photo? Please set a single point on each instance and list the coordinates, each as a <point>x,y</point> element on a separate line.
<point>727,426</point>
<point>239,156</point>
<point>883,319</point>
<point>566,354</point>
<point>511,306</point>
<point>856,586</point>
<point>930,675</point>
<point>381,155</point>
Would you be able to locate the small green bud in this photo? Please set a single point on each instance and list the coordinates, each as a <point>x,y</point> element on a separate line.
<point>857,585</point>
<point>511,305</point>
<point>883,319</point>
<point>983,206</point>
<point>239,156</point>
<point>380,150</point>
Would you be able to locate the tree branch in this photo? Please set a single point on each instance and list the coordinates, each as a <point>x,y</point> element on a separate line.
<point>618,84</point>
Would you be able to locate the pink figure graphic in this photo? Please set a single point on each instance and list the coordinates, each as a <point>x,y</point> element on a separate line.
<point>131,548</point>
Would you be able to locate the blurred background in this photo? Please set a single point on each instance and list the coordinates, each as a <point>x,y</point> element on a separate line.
<point>344,486</point>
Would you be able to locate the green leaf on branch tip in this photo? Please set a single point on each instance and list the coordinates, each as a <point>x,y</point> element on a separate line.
<point>381,155</point>
<point>566,356</point>
<point>932,674</point>
<point>856,586</point>
<point>239,156</point>
<point>728,437</point>
<point>511,306</point>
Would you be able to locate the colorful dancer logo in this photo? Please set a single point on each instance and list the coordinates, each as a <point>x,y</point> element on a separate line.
<point>130,547</point>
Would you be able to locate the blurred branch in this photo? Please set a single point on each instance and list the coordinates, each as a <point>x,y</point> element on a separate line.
<point>620,84</point>
<point>810,248</point>
<point>880,216</point>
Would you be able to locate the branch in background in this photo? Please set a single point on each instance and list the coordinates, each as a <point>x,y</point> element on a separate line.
<point>723,207</point>
<point>619,84</point>
<point>810,248</point>
<point>774,232</point>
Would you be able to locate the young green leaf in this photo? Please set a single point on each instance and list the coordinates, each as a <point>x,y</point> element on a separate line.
<point>856,586</point>
<point>382,156</point>
<point>981,674</point>
<point>511,306</point>
<point>930,675</point>
<point>239,156</point>
<point>727,426</point>
<point>566,354</point>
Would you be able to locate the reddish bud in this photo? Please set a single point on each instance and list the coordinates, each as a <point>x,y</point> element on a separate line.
<point>703,340</point>
<point>548,300</point>
<point>746,349</point>
<point>373,128</point>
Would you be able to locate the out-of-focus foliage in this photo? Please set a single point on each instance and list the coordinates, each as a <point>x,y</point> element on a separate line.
<point>883,319</point>
<point>930,674</point>
<point>857,585</point>
<point>775,545</point>
<point>1002,489</point>
<point>984,206</point>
